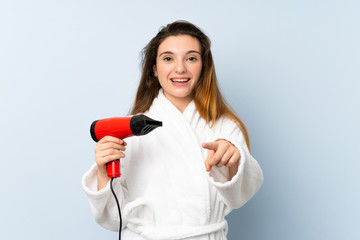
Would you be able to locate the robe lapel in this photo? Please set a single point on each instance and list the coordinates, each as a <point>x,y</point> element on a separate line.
<point>180,183</point>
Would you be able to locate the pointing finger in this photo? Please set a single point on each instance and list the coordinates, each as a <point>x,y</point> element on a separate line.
<point>209,145</point>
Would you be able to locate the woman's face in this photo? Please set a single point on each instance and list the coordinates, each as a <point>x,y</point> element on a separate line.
<point>178,68</point>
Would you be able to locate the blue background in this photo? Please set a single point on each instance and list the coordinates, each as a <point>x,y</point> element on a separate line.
<point>290,69</point>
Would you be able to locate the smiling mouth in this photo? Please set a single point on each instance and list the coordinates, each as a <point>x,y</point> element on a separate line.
<point>181,80</point>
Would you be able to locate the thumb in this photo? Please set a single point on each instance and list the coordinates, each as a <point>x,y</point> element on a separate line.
<point>207,166</point>
<point>210,156</point>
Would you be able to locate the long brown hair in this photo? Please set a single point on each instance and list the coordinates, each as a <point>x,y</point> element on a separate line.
<point>206,94</point>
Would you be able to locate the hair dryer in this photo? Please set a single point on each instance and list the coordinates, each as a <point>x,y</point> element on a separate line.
<point>121,127</point>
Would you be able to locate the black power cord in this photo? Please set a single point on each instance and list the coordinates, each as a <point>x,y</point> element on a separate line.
<point>118,206</point>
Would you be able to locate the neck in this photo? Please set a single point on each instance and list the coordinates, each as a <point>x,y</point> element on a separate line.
<point>180,104</point>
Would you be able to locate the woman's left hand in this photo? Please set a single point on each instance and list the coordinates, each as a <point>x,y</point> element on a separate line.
<point>221,153</point>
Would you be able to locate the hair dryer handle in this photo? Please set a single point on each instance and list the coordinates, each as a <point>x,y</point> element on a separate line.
<point>113,169</point>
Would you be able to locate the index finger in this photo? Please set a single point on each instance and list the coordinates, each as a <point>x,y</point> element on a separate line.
<point>112,139</point>
<point>209,145</point>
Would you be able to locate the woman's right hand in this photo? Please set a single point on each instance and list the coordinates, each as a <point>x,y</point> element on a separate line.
<point>106,150</point>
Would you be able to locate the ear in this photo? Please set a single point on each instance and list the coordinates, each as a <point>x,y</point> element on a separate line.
<point>155,71</point>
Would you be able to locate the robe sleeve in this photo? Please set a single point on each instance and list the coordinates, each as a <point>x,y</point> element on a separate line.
<point>102,203</point>
<point>249,177</point>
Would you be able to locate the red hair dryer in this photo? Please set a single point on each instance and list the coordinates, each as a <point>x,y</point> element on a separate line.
<point>121,127</point>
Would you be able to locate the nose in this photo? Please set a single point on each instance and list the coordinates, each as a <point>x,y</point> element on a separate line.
<point>180,67</point>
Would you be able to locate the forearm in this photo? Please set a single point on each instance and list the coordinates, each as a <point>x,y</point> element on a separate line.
<point>232,171</point>
<point>102,202</point>
<point>102,181</point>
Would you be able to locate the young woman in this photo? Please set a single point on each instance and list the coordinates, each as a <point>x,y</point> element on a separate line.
<point>181,180</point>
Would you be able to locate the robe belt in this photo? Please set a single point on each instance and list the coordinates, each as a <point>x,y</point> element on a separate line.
<point>148,230</point>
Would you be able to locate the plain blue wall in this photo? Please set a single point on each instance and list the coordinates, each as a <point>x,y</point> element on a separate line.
<point>290,69</point>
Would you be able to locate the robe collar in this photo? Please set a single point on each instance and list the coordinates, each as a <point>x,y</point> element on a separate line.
<point>189,111</point>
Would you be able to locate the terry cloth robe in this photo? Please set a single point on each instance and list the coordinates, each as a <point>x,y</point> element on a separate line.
<point>164,190</point>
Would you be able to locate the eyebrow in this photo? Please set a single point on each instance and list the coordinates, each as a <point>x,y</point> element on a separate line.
<point>169,52</point>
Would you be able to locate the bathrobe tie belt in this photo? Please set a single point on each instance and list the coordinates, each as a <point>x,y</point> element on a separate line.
<point>146,227</point>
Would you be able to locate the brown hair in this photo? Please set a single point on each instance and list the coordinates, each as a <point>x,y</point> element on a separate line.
<point>206,94</point>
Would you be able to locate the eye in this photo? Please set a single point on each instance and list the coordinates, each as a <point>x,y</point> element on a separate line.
<point>167,59</point>
<point>192,59</point>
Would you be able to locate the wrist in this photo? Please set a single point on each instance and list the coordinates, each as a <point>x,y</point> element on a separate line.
<point>102,179</point>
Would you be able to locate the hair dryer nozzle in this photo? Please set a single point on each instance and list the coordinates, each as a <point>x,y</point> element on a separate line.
<point>142,125</point>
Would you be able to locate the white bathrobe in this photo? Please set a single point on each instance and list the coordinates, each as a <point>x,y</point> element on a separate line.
<point>164,190</point>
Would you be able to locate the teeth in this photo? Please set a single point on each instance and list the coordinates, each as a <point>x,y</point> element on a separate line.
<point>180,80</point>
